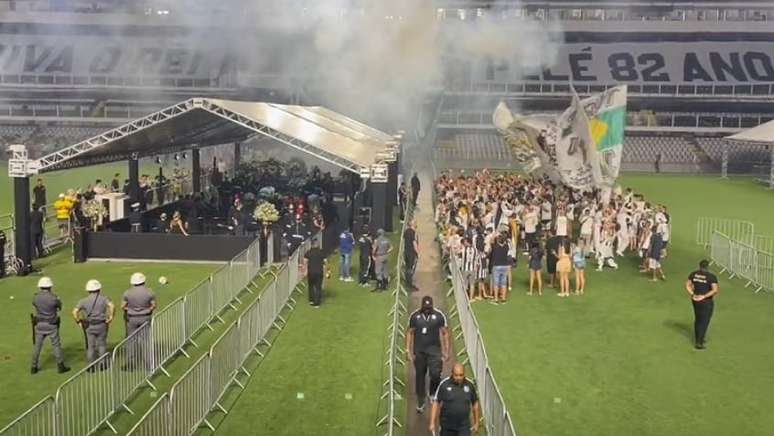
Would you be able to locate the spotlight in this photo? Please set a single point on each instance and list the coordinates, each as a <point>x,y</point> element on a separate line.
<point>177,157</point>
<point>185,155</point>
<point>158,160</point>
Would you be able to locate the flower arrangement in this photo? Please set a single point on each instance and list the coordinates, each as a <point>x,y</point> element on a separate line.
<point>266,213</point>
<point>94,210</point>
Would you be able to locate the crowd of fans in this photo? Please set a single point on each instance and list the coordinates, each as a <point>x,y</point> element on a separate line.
<point>485,220</point>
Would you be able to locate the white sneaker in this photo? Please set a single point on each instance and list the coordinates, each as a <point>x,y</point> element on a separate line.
<point>421,408</point>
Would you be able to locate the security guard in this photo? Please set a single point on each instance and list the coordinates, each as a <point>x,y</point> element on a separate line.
<point>702,286</point>
<point>138,303</point>
<point>455,399</point>
<point>410,253</point>
<point>427,345</point>
<point>45,324</point>
<point>366,245</point>
<point>94,314</point>
<point>314,262</point>
<point>382,250</point>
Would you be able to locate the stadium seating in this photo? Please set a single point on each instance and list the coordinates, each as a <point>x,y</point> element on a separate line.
<point>480,147</point>
<point>645,149</point>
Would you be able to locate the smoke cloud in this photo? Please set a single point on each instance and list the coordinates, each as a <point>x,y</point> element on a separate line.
<point>374,61</point>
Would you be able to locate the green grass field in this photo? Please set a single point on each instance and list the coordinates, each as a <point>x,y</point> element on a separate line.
<point>332,355</point>
<point>21,389</point>
<point>619,360</point>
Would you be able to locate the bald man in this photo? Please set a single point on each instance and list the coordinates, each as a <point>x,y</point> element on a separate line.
<point>454,400</point>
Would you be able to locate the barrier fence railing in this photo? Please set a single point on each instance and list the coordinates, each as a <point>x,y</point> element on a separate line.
<point>87,401</point>
<point>496,417</point>
<point>200,390</point>
<point>743,260</point>
<point>40,419</point>
<point>394,380</point>
<point>738,230</point>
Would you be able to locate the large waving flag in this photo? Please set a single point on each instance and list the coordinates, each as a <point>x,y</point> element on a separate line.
<point>607,113</point>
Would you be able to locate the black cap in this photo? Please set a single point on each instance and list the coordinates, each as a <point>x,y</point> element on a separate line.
<point>427,301</point>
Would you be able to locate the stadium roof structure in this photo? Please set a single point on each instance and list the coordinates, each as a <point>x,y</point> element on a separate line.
<point>200,122</point>
<point>763,134</point>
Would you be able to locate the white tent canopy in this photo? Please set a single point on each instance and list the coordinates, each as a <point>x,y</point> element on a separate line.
<point>763,134</point>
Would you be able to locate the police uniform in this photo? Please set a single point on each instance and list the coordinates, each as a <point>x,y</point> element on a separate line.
<point>93,319</point>
<point>427,349</point>
<point>702,282</point>
<point>139,302</point>
<point>382,247</point>
<point>366,245</point>
<point>46,323</point>
<point>456,402</point>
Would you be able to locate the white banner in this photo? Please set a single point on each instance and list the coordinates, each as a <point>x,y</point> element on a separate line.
<point>704,62</point>
<point>105,55</point>
<point>575,157</point>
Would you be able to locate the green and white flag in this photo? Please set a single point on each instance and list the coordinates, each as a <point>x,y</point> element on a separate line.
<point>607,121</point>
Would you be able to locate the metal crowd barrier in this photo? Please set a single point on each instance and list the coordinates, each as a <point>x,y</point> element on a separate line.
<point>153,423</point>
<point>87,401</point>
<point>738,230</point>
<point>132,364</point>
<point>746,261</point>
<point>40,419</point>
<point>87,396</point>
<point>395,364</point>
<point>200,390</point>
<point>497,419</point>
<point>764,243</point>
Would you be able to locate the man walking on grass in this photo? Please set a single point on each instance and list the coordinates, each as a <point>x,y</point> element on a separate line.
<point>427,345</point>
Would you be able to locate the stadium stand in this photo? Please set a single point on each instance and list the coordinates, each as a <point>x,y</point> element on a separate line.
<point>474,147</point>
<point>673,149</point>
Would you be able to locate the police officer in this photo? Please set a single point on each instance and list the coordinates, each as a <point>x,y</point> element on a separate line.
<point>381,253</point>
<point>455,399</point>
<point>94,314</point>
<point>138,303</point>
<point>702,286</point>
<point>427,345</point>
<point>366,245</point>
<point>46,323</point>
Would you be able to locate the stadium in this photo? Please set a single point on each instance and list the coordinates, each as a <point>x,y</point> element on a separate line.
<point>292,179</point>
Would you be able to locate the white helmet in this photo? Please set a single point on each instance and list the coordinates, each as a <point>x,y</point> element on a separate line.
<point>93,285</point>
<point>137,279</point>
<point>45,283</point>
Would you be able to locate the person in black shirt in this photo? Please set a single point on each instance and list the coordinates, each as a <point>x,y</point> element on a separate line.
<point>552,256</point>
<point>366,246</point>
<point>115,184</point>
<point>414,189</point>
<point>702,286</point>
<point>314,263</point>
<point>501,264</point>
<point>402,193</point>
<point>36,232</point>
<point>410,253</point>
<point>455,399</point>
<point>427,345</point>
<point>39,195</point>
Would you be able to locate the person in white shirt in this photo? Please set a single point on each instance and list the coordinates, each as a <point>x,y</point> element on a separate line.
<point>561,224</point>
<point>546,213</point>
<point>586,227</point>
<point>530,224</point>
